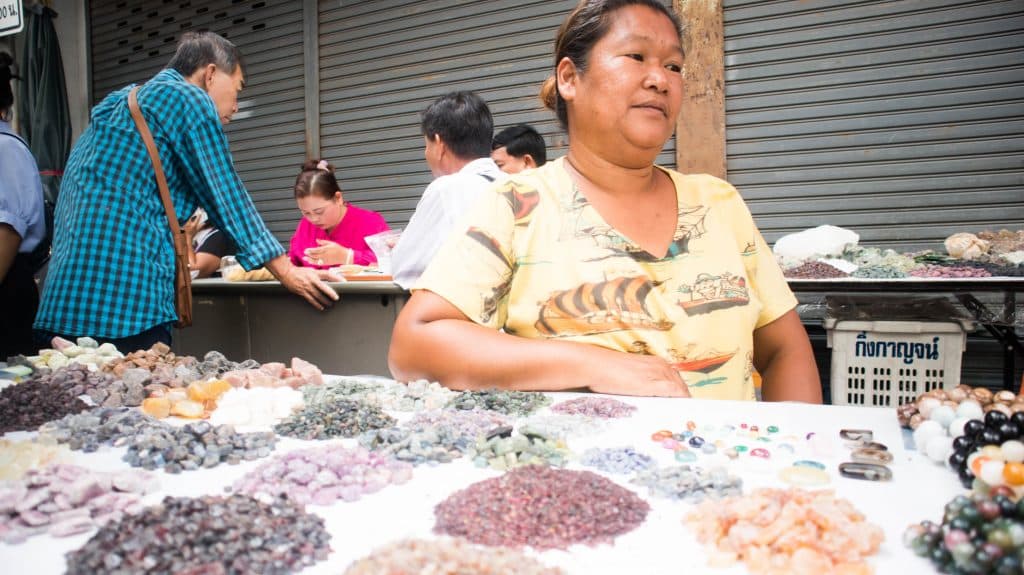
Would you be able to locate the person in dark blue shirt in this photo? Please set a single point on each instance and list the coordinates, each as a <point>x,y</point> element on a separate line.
<point>111,273</point>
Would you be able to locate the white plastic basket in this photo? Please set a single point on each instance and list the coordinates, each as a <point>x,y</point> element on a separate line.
<point>889,363</point>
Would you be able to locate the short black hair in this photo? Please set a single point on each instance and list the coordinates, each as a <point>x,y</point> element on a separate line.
<point>199,49</point>
<point>521,140</point>
<point>463,121</point>
<point>6,92</point>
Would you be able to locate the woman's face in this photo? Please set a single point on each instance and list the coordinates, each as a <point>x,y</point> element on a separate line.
<point>627,100</point>
<point>324,214</point>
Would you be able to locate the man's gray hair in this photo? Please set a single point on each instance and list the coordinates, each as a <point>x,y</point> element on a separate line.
<point>198,49</point>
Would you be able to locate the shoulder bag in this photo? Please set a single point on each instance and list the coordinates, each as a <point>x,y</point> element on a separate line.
<point>182,275</point>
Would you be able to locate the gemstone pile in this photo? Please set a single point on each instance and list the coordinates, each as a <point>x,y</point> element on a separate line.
<point>542,507</point>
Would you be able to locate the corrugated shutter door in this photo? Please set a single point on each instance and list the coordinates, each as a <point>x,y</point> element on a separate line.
<point>131,41</point>
<point>382,63</point>
<point>903,121</point>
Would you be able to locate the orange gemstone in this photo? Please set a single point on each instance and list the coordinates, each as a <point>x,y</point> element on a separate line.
<point>1013,473</point>
<point>158,407</point>
<point>660,435</point>
<point>977,463</point>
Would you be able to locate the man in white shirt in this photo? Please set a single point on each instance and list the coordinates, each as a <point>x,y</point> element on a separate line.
<point>457,130</point>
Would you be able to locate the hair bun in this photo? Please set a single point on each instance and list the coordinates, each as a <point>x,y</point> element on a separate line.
<point>549,93</point>
<point>317,164</point>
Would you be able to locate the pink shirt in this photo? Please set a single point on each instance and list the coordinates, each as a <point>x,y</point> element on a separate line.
<point>350,232</point>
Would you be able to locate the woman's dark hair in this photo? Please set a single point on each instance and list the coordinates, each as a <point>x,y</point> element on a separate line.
<point>6,92</point>
<point>463,121</point>
<point>316,179</point>
<point>584,27</point>
<point>521,140</point>
<point>199,49</point>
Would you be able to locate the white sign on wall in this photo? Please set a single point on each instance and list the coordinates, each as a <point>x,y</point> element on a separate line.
<point>10,17</point>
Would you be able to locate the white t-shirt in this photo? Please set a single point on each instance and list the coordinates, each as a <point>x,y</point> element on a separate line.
<point>443,203</point>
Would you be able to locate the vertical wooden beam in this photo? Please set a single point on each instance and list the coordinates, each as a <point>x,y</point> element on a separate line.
<point>311,61</point>
<point>700,130</point>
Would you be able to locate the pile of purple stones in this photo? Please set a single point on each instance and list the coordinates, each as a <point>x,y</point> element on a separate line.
<point>27,405</point>
<point>323,475</point>
<point>621,460</point>
<point>605,407</point>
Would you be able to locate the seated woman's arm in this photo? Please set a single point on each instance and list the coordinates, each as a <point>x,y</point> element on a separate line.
<point>433,340</point>
<point>783,357</point>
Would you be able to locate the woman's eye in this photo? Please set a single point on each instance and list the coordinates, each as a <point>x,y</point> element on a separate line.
<point>675,68</point>
<point>637,57</point>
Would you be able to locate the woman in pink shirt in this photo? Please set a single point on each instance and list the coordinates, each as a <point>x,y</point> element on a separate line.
<point>332,231</point>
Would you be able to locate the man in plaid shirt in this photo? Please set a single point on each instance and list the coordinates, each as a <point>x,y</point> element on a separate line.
<point>111,272</point>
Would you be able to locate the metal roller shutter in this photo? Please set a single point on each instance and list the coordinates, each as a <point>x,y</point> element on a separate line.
<point>132,40</point>
<point>381,63</point>
<point>902,120</point>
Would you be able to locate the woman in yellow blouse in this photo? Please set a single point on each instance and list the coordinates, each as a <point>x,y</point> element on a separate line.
<point>601,270</point>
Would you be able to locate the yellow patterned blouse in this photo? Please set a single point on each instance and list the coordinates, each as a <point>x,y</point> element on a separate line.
<point>538,260</point>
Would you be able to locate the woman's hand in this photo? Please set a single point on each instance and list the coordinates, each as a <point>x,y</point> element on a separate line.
<point>327,253</point>
<point>622,373</point>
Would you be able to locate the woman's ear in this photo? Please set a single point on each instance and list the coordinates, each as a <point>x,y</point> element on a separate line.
<point>566,76</point>
<point>529,161</point>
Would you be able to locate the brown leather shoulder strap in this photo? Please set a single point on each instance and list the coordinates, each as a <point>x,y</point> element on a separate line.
<point>154,157</point>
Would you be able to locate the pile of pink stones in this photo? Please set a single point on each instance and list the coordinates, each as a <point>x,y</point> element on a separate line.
<point>455,556</point>
<point>542,507</point>
<point>63,500</point>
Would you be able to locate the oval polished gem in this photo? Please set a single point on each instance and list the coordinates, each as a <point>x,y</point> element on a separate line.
<point>685,456</point>
<point>865,471</point>
<point>804,476</point>
<point>696,441</point>
<point>760,452</point>
<point>809,463</point>
<point>773,429</point>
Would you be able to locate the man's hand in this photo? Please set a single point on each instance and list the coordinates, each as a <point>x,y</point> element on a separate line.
<point>304,282</point>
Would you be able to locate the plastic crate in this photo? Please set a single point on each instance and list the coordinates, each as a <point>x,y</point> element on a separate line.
<point>889,363</point>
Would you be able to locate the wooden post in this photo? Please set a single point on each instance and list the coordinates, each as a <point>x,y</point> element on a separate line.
<point>700,130</point>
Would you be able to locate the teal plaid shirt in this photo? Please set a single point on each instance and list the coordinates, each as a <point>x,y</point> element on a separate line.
<point>111,270</point>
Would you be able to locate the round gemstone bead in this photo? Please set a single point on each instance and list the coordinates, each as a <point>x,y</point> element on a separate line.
<point>1013,473</point>
<point>740,448</point>
<point>691,425</point>
<point>773,429</point>
<point>1013,450</point>
<point>696,441</point>
<point>669,443</point>
<point>708,448</point>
